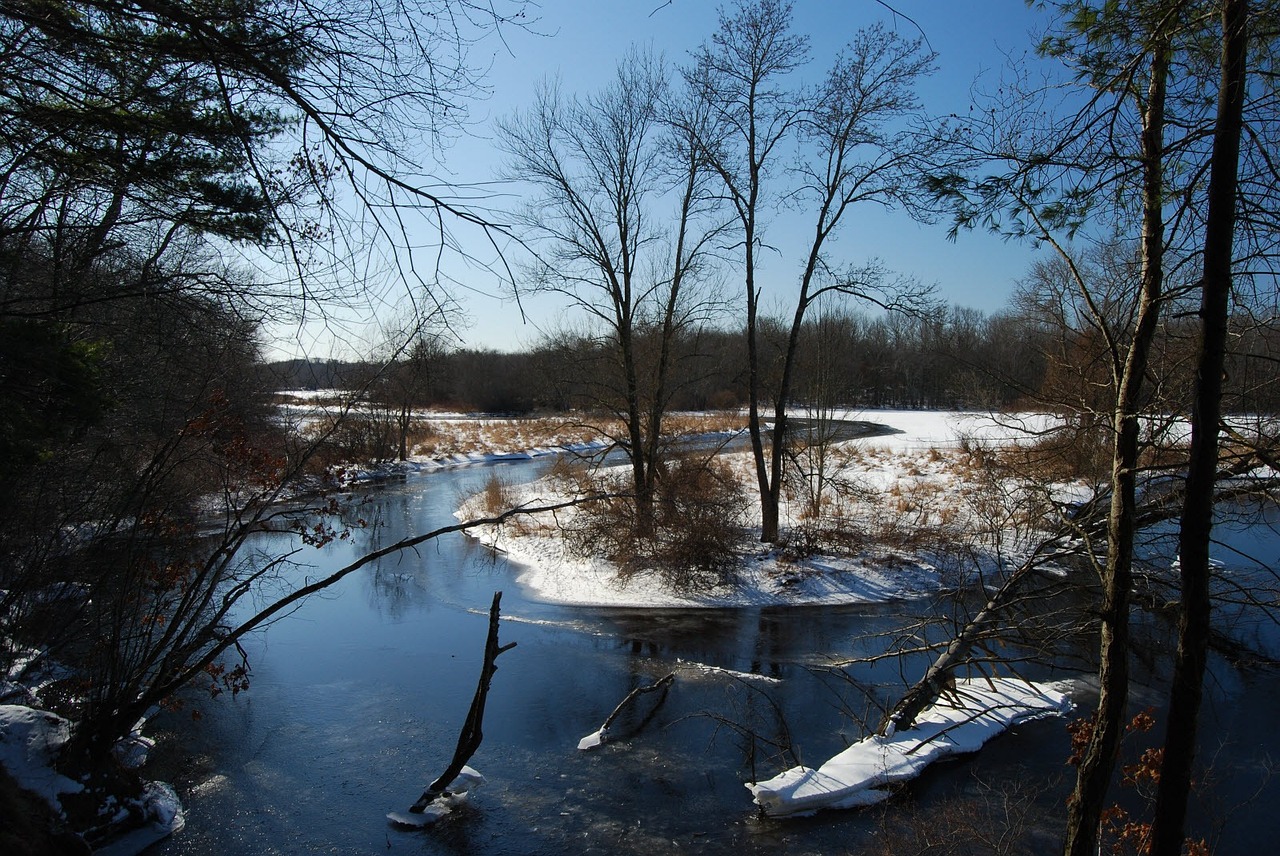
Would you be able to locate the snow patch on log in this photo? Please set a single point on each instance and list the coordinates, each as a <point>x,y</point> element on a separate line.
<point>592,740</point>
<point>976,711</point>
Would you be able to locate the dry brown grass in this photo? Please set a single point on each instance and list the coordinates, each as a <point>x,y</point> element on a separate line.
<point>438,438</point>
<point>685,424</point>
<point>497,496</point>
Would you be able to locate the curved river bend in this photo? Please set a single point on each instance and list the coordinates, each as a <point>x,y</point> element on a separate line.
<point>358,696</point>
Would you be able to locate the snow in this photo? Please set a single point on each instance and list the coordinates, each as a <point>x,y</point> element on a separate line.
<point>30,740</point>
<point>548,574</point>
<point>979,710</point>
<point>132,751</point>
<point>592,740</point>
<point>905,463</point>
<point>707,669</point>
<point>458,792</point>
<point>164,817</point>
<point>423,463</point>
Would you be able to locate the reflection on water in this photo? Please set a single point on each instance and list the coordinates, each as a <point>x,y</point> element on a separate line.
<point>357,699</point>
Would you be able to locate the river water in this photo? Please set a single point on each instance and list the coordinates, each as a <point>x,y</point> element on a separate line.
<point>357,699</point>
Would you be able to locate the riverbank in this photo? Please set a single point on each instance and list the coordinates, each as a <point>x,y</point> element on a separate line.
<point>907,488</point>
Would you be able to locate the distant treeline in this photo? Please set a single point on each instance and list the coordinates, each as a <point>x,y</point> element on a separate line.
<point>957,359</point>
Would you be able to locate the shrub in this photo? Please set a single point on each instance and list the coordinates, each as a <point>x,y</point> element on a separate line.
<point>691,541</point>
<point>356,438</point>
<point>497,496</point>
<point>698,524</point>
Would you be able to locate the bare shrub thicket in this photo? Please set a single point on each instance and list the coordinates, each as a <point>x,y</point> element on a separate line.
<point>353,437</point>
<point>1006,818</point>
<point>693,544</point>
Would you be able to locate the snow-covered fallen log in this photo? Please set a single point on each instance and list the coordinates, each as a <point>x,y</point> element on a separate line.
<point>959,723</point>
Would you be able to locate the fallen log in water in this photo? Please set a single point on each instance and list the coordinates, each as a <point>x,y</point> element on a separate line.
<point>601,735</point>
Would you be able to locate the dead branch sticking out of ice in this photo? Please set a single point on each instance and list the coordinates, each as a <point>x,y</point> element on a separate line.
<point>977,711</point>
<point>601,735</point>
<point>458,780</point>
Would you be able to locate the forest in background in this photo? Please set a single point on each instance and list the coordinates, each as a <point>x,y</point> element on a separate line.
<point>960,359</point>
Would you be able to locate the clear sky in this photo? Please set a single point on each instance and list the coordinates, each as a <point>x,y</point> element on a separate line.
<point>579,41</point>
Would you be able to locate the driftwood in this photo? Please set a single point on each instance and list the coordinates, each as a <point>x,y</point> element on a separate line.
<point>598,737</point>
<point>472,733</point>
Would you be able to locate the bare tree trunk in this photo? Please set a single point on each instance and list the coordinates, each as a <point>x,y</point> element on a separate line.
<point>641,483</point>
<point>1197,514</point>
<point>403,423</point>
<point>1084,812</point>
<point>939,677</point>
<point>768,510</point>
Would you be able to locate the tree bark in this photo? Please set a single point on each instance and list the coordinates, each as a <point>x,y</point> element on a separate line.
<point>1087,801</point>
<point>1197,515</point>
<point>939,677</point>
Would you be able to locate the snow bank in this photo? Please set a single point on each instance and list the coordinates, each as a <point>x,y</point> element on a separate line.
<point>30,741</point>
<point>549,573</point>
<point>924,429</point>
<point>164,816</point>
<point>979,710</point>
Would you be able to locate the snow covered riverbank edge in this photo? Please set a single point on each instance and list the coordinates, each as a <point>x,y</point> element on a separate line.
<point>911,455</point>
<point>30,740</point>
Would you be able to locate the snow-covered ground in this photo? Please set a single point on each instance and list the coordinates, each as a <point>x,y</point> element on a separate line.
<point>30,741</point>
<point>910,478</point>
<point>976,711</point>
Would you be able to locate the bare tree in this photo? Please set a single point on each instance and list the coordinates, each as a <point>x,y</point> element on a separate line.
<point>406,375</point>
<point>864,142</point>
<point>740,76</point>
<point>143,145</point>
<point>267,126</point>
<point>1167,834</point>
<point>605,166</point>
<point>1144,65</point>
<point>860,138</point>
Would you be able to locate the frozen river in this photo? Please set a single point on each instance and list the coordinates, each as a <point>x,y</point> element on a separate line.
<point>357,699</point>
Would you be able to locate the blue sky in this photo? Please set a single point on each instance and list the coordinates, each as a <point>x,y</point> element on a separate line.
<point>579,42</point>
